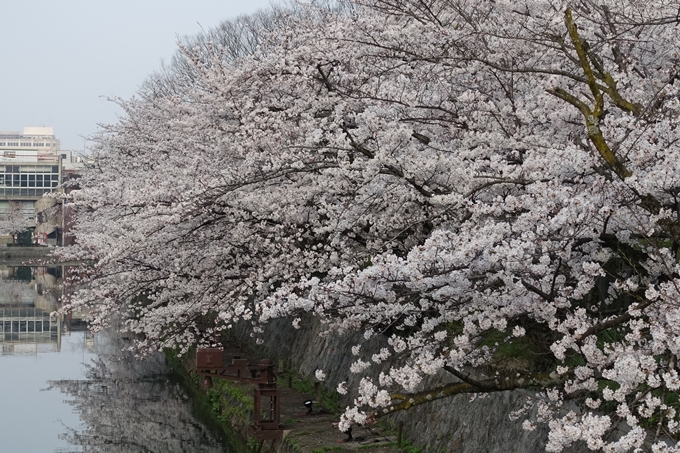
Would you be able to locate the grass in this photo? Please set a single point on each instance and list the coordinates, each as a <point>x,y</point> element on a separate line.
<point>293,443</point>
<point>406,447</point>
<point>391,428</point>
<point>229,402</point>
<point>206,406</point>
<point>509,352</point>
<point>325,449</point>
<point>330,400</point>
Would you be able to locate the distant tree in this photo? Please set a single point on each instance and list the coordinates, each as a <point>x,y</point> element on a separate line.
<point>492,187</point>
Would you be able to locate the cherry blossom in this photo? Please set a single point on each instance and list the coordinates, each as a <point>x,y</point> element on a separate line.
<point>489,188</point>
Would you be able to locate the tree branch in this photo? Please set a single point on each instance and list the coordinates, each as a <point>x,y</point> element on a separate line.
<point>597,328</point>
<point>406,401</point>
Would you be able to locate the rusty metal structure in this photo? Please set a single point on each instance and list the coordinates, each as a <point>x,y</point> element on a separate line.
<point>266,397</point>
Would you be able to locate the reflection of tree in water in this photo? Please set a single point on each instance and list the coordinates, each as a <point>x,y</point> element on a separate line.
<point>128,405</point>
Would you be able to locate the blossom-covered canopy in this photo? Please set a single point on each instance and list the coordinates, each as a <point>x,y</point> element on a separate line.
<point>458,176</point>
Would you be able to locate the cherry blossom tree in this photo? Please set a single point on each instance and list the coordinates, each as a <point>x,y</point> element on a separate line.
<point>491,187</point>
<point>13,221</point>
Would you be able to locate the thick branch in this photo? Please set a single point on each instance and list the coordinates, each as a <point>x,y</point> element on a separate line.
<point>580,51</point>
<point>466,378</point>
<point>594,115</point>
<point>573,100</point>
<point>593,128</point>
<point>586,56</point>
<point>613,93</point>
<point>597,328</point>
<point>406,401</point>
<point>536,290</point>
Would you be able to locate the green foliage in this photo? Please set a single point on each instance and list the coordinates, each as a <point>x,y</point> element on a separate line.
<point>230,402</point>
<point>241,393</point>
<point>369,447</point>
<point>24,238</point>
<point>293,443</point>
<point>367,263</point>
<point>391,428</point>
<point>611,336</point>
<point>408,447</point>
<point>511,352</point>
<point>668,398</point>
<point>573,359</point>
<point>207,406</point>
<point>330,400</point>
<point>254,444</point>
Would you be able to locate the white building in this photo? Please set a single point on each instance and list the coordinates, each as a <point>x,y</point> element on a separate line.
<point>30,163</point>
<point>33,138</point>
<point>30,166</point>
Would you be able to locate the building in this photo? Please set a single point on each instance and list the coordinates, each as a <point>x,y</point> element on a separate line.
<point>29,296</point>
<point>33,138</point>
<point>30,166</point>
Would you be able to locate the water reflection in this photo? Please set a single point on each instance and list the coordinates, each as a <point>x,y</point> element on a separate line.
<point>129,405</point>
<point>81,392</point>
<point>27,297</point>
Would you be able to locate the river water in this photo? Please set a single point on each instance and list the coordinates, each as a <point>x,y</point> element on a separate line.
<point>63,389</point>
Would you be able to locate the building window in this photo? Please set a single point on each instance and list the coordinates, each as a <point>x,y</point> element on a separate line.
<point>25,143</point>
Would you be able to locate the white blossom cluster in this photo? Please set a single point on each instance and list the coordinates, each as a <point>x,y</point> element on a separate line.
<point>489,188</point>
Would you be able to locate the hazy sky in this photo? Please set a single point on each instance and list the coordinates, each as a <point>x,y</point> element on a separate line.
<point>60,59</point>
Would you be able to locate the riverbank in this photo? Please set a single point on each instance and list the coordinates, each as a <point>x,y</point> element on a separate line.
<point>231,405</point>
<point>203,406</point>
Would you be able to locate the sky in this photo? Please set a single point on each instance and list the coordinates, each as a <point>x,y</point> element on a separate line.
<point>62,59</point>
